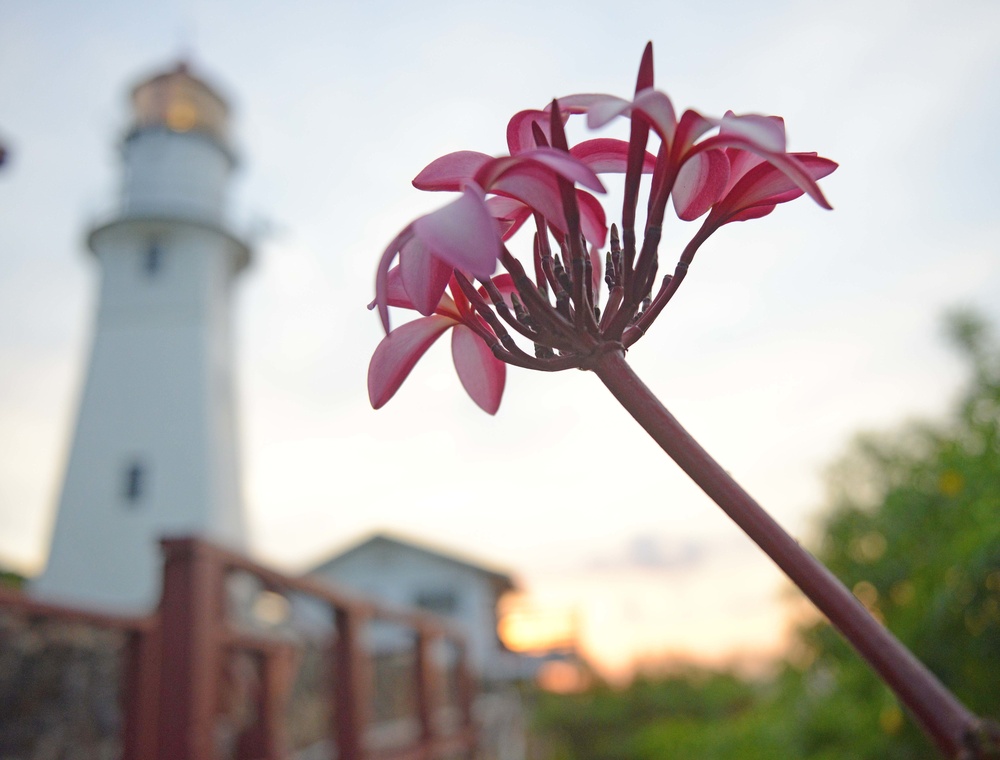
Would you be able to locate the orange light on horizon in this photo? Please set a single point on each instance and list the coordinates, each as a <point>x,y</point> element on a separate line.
<point>564,677</point>
<point>524,628</point>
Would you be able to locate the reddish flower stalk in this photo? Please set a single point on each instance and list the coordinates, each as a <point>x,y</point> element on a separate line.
<point>739,173</point>
<point>956,731</point>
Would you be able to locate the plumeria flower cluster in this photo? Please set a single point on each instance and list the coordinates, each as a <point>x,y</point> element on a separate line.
<point>720,170</point>
<point>447,266</point>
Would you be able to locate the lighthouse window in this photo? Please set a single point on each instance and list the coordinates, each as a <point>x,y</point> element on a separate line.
<point>135,482</point>
<point>154,259</point>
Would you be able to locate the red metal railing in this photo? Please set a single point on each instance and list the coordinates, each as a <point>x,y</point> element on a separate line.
<point>178,683</point>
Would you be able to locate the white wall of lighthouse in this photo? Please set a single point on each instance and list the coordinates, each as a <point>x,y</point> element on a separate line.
<point>155,450</point>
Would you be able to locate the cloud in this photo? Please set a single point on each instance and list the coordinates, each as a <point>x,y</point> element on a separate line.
<point>649,553</point>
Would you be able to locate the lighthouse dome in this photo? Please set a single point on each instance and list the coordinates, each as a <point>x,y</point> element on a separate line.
<point>180,102</point>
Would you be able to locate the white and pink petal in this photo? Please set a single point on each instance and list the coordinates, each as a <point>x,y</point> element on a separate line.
<point>382,274</point>
<point>766,132</point>
<point>784,162</point>
<point>463,234</point>
<point>593,222</point>
<point>423,275</point>
<point>521,133</point>
<point>605,155</point>
<point>658,109</point>
<point>397,354</point>
<point>451,171</point>
<point>769,183</point>
<point>600,109</point>
<point>700,183</point>
<point>557,161</point>
<point>691,126</point>
<point>483,375</point>
<point>509,212</point>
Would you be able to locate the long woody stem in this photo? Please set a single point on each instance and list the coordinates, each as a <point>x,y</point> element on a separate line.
<point>945,720</point>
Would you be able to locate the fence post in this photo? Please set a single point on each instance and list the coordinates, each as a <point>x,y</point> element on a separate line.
<point>352,685</point>
<point>140,691</point>
<point>191,611</point>
<point>467,689</point>
<point>426,692</point>
<point>267,739</point>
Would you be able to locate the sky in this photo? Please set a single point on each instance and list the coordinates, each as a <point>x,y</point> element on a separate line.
<point>791,333</point>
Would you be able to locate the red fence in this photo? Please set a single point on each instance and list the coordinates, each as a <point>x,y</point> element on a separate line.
<point>245,663</point>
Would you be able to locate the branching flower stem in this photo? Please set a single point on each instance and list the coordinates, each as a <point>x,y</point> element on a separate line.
<point>743,172</point>
<point>956,731</point>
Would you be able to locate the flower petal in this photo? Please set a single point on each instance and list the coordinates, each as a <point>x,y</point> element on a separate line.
<point>537,188</point>
<point>557,161</point>
<point>740,162</point>
<point>767,132</point>
<point>451,171</point>
<point>398,353</point>
<point>520,136</point>
<point>396,295</point>
<point>593,223</point>
<point>382,274</point>
<point>424,276</point>
<point>481,373</point>
<point>607,155</point>
<point>767,184</point>
<point>463,233</point>
<point>656,107</point>
<point>756,212</point>
<point>691,126</point>
<point>700,183</point>
<point>600,109</point>
<point>784,162</point>
<point>509,212</point>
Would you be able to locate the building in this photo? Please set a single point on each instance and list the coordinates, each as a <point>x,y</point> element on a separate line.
<point>154,451</point>
<point>408,575</point>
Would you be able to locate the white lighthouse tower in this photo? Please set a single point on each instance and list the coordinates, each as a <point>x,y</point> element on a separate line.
<point>154,451</point>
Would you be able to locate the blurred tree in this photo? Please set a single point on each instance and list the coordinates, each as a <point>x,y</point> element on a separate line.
<point>914,530</point>
<point>691,712</point>
<point>913,527</point>
<point>11,580</point>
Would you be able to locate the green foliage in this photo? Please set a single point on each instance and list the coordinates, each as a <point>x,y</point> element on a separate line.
<point>913,528</point>
<point>11,580</point>
<point>681,711</point>
<point>915,532</point>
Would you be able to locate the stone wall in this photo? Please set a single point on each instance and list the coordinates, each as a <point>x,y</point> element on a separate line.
<point>59,689</point>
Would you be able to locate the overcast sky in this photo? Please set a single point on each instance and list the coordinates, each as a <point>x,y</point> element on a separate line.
<point>790,334</point>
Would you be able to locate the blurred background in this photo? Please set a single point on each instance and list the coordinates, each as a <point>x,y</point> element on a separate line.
<point>791,334</point>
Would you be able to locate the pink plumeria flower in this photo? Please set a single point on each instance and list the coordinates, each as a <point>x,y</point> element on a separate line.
<point>730,169</point>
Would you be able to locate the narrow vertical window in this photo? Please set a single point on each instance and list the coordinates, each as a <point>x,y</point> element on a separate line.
<point>135,483</point>
<point>154,259</point>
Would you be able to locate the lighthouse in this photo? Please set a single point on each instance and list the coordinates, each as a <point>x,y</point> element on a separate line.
<point>154,452</point>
